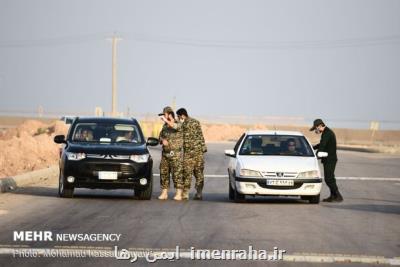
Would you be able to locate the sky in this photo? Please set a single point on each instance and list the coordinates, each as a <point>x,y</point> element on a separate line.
<point>338,60</point>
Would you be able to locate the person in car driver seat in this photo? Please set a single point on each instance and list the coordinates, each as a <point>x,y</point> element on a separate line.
<point>290,148</point>
<point>129,136</point>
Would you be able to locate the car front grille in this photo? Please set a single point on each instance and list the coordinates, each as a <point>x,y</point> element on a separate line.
<point>126,169</point>
<point>100,156</point>
<point>96,167</point>
<point>296,185</point>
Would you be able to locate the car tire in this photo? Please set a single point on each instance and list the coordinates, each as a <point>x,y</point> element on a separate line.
<point>63,190</point>
<point>311,199</point>
<point>145,194</point>
<point>231,191</point>
<point>239,198</point>
<point>314,199</point>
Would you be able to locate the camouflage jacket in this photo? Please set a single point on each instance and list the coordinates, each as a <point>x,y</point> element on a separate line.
<point>193,139</point>
<point>174,136</point>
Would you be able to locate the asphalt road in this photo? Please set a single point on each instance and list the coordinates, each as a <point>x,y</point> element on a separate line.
<point>367,223</point>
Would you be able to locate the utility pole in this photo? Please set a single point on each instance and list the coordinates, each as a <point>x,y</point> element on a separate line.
<point>174,103</point>
<point>40,111</point>
<point>114,41</point>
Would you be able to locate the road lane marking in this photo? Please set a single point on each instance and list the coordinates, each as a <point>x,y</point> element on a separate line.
<point>386,179</point>
<point>369,179</point>
<point>186,254</point>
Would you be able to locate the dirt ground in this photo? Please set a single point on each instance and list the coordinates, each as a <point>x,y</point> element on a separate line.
<point>29,146</point>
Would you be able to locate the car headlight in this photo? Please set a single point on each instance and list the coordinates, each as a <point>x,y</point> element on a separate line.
<point>75,156</point>
<point>140,158</point>
<point>249,173</point>
<point>309,174</point>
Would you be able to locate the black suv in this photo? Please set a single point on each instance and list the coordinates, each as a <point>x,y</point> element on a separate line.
<point>106,153</point>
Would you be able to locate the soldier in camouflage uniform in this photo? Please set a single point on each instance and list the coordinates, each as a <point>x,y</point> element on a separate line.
<point>194,148</point>
<point>171,139</point>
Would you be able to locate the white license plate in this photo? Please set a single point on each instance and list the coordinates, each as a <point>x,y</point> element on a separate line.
<point>280,182</point>
<point>108,175</point>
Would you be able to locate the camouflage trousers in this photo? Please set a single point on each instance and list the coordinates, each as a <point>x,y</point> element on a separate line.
<point>171,165</point>
<point>193,165</point>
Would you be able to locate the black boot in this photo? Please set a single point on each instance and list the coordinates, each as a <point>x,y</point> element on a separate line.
<point>329,199</point>
<point>332,195</point>
<point>338,197</point>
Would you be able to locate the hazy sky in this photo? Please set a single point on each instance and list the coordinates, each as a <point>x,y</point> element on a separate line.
<point>339,60</point>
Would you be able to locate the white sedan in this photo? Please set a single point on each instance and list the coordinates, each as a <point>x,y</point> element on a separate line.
<point>274,163</point>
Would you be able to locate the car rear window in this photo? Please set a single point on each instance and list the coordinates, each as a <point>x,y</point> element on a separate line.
<point>276,145</point>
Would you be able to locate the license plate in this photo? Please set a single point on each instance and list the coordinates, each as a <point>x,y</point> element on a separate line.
<point>108,175</point>
<point>280,182</point>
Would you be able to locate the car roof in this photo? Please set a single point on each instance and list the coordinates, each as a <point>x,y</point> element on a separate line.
<point>106,120</point>
<point>273,132</point>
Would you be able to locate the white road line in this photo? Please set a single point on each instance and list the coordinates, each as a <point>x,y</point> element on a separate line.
<point>369,179</point>
<point>186,254</point>
<point>337,178</point>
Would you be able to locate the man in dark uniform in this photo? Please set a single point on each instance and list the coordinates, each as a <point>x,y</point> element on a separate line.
<point>328,144</point>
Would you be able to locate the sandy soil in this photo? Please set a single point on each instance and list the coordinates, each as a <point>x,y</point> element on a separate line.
<point>29,147</point>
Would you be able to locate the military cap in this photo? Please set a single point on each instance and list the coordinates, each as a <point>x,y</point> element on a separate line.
<point>317,123</point>
<point>166,110</point>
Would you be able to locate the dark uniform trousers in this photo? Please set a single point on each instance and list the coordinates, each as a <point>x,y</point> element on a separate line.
<point>328,144</point>
<point>329,174</point>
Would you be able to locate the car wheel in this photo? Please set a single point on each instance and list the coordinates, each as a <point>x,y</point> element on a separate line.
<point>314,199</point>
<point>311,199</point>
<point>231,191</point>
<point>239,198</point>
<point>63,189</point>
<point>145,194</point>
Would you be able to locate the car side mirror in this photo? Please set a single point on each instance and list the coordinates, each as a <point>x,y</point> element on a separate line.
<point>322,154</point>
<point>60,139</point>
<point>230,153</point>
<point>151,141</point>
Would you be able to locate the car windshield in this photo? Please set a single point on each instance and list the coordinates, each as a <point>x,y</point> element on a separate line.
<point>276,145</point>
<point>106,133</point>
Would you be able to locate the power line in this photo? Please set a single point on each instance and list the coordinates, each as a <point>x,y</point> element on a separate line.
<point>267,45</point>
<point>350,42</point>
<point>56,41</point>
